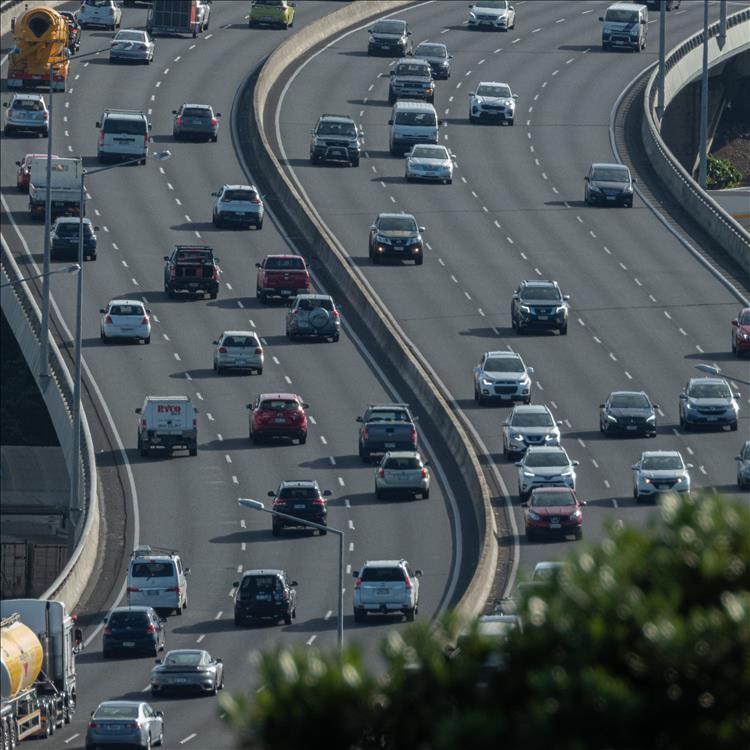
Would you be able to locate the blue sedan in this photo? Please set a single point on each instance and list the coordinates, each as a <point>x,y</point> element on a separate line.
<point>125,723</point>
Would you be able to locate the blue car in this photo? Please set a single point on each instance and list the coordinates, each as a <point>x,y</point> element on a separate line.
<point>64,238</point>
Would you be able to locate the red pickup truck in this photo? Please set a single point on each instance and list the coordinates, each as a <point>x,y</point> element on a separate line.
<point>283,276</point>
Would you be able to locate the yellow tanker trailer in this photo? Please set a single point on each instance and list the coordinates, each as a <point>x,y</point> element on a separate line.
<point>41,42</point>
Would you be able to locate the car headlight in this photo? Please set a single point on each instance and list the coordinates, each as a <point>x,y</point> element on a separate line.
<point>652,418</point>
<point>567,473</point>
<point>634,32</point>
<point>534,516</point>
<point>688,405</point>
<point>646,480</point>
<point>560,309</point>
<point>472,16</point>
<point>510,103</point>
<point>551,438</point>
<point>516,436</point>
<point>529,474</point>
<point>610,418</point>
<point>680,480</point>
<point>627,189</point>
<point>595,188</point>
<point>744,336</point>
<point>574,516</point>
<point>524,308</point>
<point>487,381</point>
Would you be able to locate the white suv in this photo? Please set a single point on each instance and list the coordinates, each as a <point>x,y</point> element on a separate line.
<point>106,13</point>
<point>660,471</point>
<point>386,587</point>
<point>502,375</point>
<point>27,112</point>
<point>545,467</point>
<point>156,578</point>
<point>124,135</point>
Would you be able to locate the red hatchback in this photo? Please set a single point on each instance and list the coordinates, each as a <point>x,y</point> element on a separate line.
<point>23,173</point>
<point>553,511</point>
<point>278,415</point>
<point>741,333</point>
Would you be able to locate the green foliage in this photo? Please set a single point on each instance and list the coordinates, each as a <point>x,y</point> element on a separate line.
<point>722,174</point>
<point>643,641</point>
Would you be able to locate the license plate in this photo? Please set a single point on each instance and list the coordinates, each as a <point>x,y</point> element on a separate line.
<point>112,727</point>
<point>543,317</point>
<point>280,420</point>
<point>299,506</point>
<point>711,419</point>
<point>262,597</point>
<point>178,680</point>
<point>128,644</point>
<point>152,593</point>
<point>383,592</point>
<point>196,122</point>
<point>631,427</point>
<point>389,445</point>
<point>285,292</point>
<point>555,526</point>
<point>192,284</point>
<point>267,19</point>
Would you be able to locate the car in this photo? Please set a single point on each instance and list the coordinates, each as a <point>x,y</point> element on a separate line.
<point>238,350</point>
<point>157,578</point>
<point>263,594</point>
<point>657,3</point>
<point>740,330</point>
<point>278,415</point>
<point>192,269</point>
<point>133,629</point>
<point>132,45</point>
<point>117,723</point>
<point>313,315</point>
<point>238,204</point>
<point>743,466</point>
<point>187,669</point>
<point>106,13</point>
<point>546,570</point>
<point>196,121</point>
<point>553,511</point>
<point>427,161</point>
<point>437,56</point>
<point>396,236</point>
<point>498,627</point>
<point>336,138</point>
<point>125,134</point>
<point>386,587</point>
<point>23,173</point>
<point>125,319</point>
<point>660,471</point>
<point>281,276</point>
<point>303,499</point>
<point>492,14</point>
<point>545,466</point>
<point>411,78</point>
<point>26,113</point>
<point>412,122</point>
<point>502,376</point>
<point>272,13</point>
<point>74,30</point>
<point>389,36</point>
<point>608,184</point>
<point>167,424</point>
<point>492,101</point>
<point>628,413</point>
<point>402,473</point>
<point>527,425</point>
<point>64,238</point>
<point>386,427</point>
<point>709,402</point>
<point>539,303</point>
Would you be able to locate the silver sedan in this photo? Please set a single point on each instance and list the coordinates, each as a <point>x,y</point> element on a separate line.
<point>427,161</point>
<point>187,669</point>
<point>402,473</point>
<point>116,723</point>
<point>132,45</point>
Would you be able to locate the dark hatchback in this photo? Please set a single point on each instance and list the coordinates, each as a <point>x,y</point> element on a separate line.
<point>301,499</point>
<point>265,594</point>
<point>133,629</point>
<point>628,413</point>
<point>64,238</point>
<point>608,184</point>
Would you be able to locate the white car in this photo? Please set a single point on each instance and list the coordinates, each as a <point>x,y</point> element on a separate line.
<point>386,587</point>
<point>660,471</point>
<point>238,204</point>
<point>126,319</point>
<point>545,467</point>
<point>502,375</point>
<point>529,424</point>
<point>427,161</point>
<point>545,570</point>
<point>106,13</point>
<point>492,14</point>
<point>492,100</point>
<point>132,45</point>
<point>238,350</point>
<point>402,473</point>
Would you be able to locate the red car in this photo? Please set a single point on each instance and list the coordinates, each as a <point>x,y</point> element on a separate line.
<point>278,415</point>
<point>24,171</point>
<point>283,276</point>
<point>741,333</point>
<point>553,511</point>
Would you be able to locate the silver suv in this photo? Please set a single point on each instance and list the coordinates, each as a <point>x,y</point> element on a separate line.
<point>402,473</point>
<point>502,375</point>
<point>386,587</point>
<point>527,425</point>
<point>26,112</point>
<point>313,315</point>
<point>411,78</point>
<point>660,471</point>
<point>336,138</point>
<point>709,402</point>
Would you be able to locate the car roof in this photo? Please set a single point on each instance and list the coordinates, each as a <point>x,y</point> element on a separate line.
<point>653,454</point>
<point>263,572</point>
<point>299,483</point>
<point>493,83</point>
<point>282,255</point>
<point>386,215</point>
<point>538,282</point>
<point>167,398</point>
<point>413,105</point>
<point>125,115</point>
<point>625,6</point>
<point>240,333</point>
<point>133,608</point>
<point>545,449</point>
<point>434,44</point>
<point>384,563</point>
<point>337,118</point>
<point>294,396</point>
<point>548,490</point>
<point>197,106</point>
<point>708,380</point>
<point>136,704</point>
<point>185,651</point>
<point>503,353</point>
<point>72,220</point>
<point>238,186</point>
<point>315,296</point>
<point>403,454</point>
<point>32,97</point>
<point>531,408</point>
<point>609,165</point>
<point>128,302</point>
<point>140,31</point>
<point>393,405</point>
<point>410,60</point>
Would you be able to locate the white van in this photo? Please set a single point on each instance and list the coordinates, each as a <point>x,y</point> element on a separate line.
<point>412,122</point>
<point>156,578</point>
<point>124,135</point>
<point>625,25</point>
<point>167,423</point>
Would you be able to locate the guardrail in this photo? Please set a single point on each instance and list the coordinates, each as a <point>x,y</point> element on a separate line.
<point>24,317</point>
<point>681,67</point>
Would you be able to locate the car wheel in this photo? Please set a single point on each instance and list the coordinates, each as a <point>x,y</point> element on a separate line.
<point>193,451</point>
<point>510,122</point>
<point>564,330</point>
<point>449,181</point>
<point>733,426</point>
<point>262,297</point>
<point>419,260</point>
<point>409,614</point>
<point>287,619</point>
<point>237,620</point>
<point>375,259</point>
<point>335,338</point>
<point>303,439</point>
<point>473,120</point>
<point>322,532</point>
<point>276,529</point>
<point>355,161</point>
<point>259,225</point>
<point>378,494</point>
<point>530,536</point>
<point>636,496</point>
<point>359,616</point>
<point>734,345</point>
<point>364,455</point>
<point>426,495</point>
<point>213,295</point>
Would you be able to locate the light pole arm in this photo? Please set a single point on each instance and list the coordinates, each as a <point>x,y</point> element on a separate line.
<point>68,269</point>
<point>302,521</point>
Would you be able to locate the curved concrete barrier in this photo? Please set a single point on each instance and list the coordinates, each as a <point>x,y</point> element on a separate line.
<point>683,64</point>
<point>391,342</point>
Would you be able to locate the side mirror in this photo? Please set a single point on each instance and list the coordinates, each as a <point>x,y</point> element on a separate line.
<point>586,178</point>
<point>327,493</point>
<point>736,394</point>
<point>559,422</point>
<point>734,322</point>
<point>96,229</point>
<point>566,297</point>
<point>236,584</point>
<point>418,573</point>
<point>359,419</point>
<point>138,410</point>
<point>422,229</point>
<point>635,467</point>
<point>601,18</point>
<point>530,370</point>
<point>390,122</point>
<point>683,396</point>
<point>408,33</point>
<point>506,422</point>
<point>187,571</point>
<point>738,458</point>
<point>515,96</point>
<point>104,312</point>
<point>160,714</point>
<point>215,193</point>
<point>601,406</point>
<point>293,583</point>
<point>218,114</point>
<point>248,406</point>
<point>18,164</point>
<point>656,406</point>
<point>575,462</point>
<point>157,661</point>
<point>305,406</point>
<point>149,126</point>
<point>163,620</point>
<point>392,73</point>
<point>215,343</point>
<point>519,463</point>
<point>689,466</point>
<point>634,181</point>
<point>524,505</point>
<point>257,265</point>
<point>78,637</point>
<point>583,502</point>
<point>355,574</point>
<point>98,124</point>
<point>369,31</point>
<point>271,493</point>
<point>166,257</point>
<point>643,21</point>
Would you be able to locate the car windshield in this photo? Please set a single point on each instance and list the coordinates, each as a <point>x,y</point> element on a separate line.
<point>99,3</point>
<point>204,112</point>
<point>285,264</point>
<point>492,4</point>
<point>417,119</point>
<point>629,401</point>
<point>184,658</point>
<point>546,458</point>
<point>710,390</point>
<point>272,3</point>
<point>744,319</point>
<point>152,570</point>
<point>540,293</point>
<point>126,310</point>
<point>260,583</point>
<point>30,105</point>
<point>116,712</point>
<point>383,415</point>
<point>389,27</point>
<point>278,404</point>
<point>493,90</point>
<point>240,341</point>
<point>503,364</point>
<point>337,128</point>
<point>429,152</point>
<point>377,575</point>
<point>533,419</point>
<point>397,224</point>
<point>71,228</point>
<point>661,463</point>
<point>121,619</point>
<point>551,499</point>
<point>413,69</point>
<point>431,50</point>
<point>130,36</point>
<point>298,493</point>
<point>239,195</point>
<point>610,174</point>
<point>401,463</point>
<point>621,16</point>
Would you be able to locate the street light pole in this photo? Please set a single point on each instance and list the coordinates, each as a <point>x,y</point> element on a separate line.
<point>257,505</point>
<point>44,343</point>
<point>703,146</point>
<point>662,54</point>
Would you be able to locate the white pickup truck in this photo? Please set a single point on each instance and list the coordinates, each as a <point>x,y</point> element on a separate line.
<point>65,185</point>
<point>167,423</point>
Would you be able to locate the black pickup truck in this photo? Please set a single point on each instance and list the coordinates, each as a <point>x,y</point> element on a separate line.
<point>192,269</point>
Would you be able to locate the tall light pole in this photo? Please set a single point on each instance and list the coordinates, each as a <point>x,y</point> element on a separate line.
<point>68,269</point>
<point>257,505</point>
<point>703,146</point>
<point>662,54</point>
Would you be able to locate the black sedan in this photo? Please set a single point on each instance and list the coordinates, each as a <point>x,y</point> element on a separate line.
<point>64,238</point>
<point>628,413</point>
<point>187,669</point>
<point>608,184</point>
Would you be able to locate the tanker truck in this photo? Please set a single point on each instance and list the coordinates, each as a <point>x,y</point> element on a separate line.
<point>38,644</point>
<point>41,39</point>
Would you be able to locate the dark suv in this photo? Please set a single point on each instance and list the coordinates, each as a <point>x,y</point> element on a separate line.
<point>133,629</point>
<point>539,304</point>
<point>301,499</point>
<point>396,236</point>
<point>336,138</point>
<point>411,79</point>
<point>389,36</point>
<point>263,594</point>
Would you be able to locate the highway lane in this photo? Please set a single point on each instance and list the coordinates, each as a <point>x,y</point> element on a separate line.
<point>190,504</point>
<point>644,312</point>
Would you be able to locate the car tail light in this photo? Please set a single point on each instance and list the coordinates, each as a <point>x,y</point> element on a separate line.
<point>145,320</point>
<point>174,590</point>
<point>179,120</point>
<point>255,200</point>
<point>133,589</point>
<point>107,630</point>
<point>365,433</point>
<point>358,583</point>
<point>145,141</point>
<point>295,312</point>
<point>214,122</point>
<point>92,725</point>
<point>320,502</point>
<point>151,628</point>
<point>381,473</point>
<point>141,46</point>
<point>143,423</point>
<point>195,422</point>
<point>222,350</point>
<point>46,115</point>
<point>101,138</point>
<point>134,725</point>
<point>216,273</point>
<point>424,472</point>
<point>285,594</point>
<point>108,320</point>
<point>336,314</point>
<point>258,350</point>
<point>278,503</point>
<point>413,435</point>
<point>407,582</point>
<point>172,273</point>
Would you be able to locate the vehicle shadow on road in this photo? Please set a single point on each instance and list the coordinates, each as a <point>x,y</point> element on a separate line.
<point>359,499</point>
<point>726,356</point>
<point>199,226</point>
<point>195,374</point>
<point>588,48</point>
<point>227,303</point>
<point>351,461</point>
<point>383,154</point>
<point>393,180</point>
<point>382,103</point>
<point>488,332</point>
<point>224,625</point>
<point>566,204</point>
<point>246,535</point>
<point>114,457</point>
<point>225,445</point>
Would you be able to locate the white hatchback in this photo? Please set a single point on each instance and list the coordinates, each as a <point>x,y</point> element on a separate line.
<point>126,319</point>
<point>239,350</point>
<point>106,13</point>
